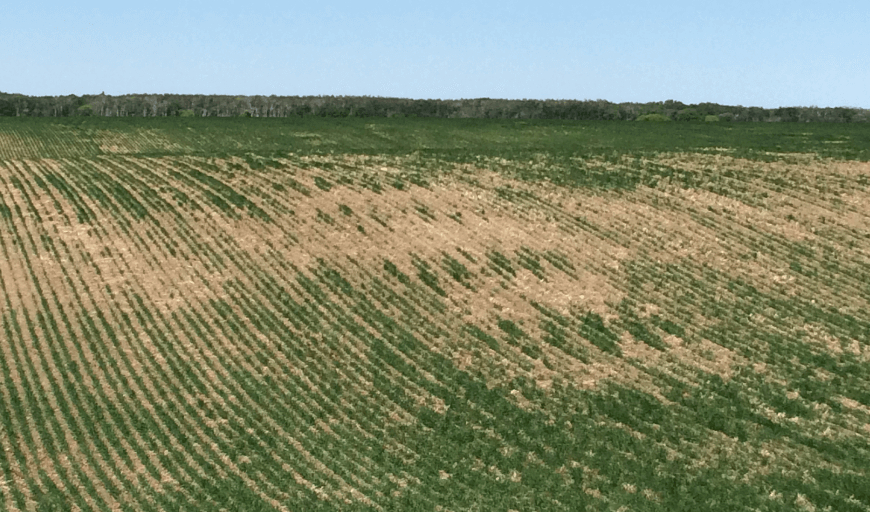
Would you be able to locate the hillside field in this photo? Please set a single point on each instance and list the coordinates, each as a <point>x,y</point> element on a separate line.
<point>433,315</point>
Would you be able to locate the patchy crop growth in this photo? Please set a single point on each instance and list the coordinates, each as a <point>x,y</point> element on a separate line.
<point>207,317</point>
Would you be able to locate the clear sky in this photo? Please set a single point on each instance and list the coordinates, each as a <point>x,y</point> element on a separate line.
<point>766,53</point>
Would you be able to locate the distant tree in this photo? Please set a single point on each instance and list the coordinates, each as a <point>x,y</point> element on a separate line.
<point>258,106</point>
<point>688,114</point>
<point>6,108</point>
<point>709,109</point>
<point>788,114</point>
<point>843,115</point>
<point>301,110</point>
<point>653,118</point>
<point>755,114</point>
<point>22,105</point>
<point>174,107</point>
<point>367,106</point>
<point>99,104</point>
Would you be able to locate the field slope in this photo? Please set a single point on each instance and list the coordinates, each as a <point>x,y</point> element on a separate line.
<point>400,316</point>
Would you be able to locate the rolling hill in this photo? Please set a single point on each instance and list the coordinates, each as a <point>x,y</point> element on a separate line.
<point>283,315</point>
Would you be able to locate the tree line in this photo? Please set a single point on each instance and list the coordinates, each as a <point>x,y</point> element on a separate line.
<point>200,105</point>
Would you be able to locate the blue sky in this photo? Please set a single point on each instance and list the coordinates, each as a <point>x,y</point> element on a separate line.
<point>766,53</point>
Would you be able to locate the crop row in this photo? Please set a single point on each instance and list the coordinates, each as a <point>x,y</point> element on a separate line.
<point>184,331</point>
